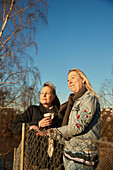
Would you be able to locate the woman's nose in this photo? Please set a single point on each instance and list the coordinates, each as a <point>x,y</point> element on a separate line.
<point>44,94</point>
<point>69,81</point>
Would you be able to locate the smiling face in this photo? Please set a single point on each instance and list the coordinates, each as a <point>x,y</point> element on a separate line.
<point>75,82</point>
<point>46,96</point>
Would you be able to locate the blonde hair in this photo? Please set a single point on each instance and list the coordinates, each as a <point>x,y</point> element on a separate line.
<point>86,81</point>
<point>52,87</point>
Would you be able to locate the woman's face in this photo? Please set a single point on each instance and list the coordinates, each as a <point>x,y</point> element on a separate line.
<point>75,82</point>
<point>46,96</point>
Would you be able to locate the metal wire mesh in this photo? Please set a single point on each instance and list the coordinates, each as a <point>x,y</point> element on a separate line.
<point>36,153</point>
<point>106,159</point>
<point>37,156</point>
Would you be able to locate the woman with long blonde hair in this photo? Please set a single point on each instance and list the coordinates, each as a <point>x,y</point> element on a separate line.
<point>81,125</point>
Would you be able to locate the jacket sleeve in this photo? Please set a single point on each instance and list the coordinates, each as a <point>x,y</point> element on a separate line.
<point>80,119</point>
<point>24,118</point>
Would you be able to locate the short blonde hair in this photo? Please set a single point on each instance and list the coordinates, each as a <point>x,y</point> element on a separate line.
<point>56,101</point>
<point>85,80</point>
<point>49,84</point>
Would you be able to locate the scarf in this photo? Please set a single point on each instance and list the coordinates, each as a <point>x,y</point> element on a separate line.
<point>44,110</point>
<point>66,107</point>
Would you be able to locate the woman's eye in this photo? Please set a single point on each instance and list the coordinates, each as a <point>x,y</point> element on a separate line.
<point>73,77</point>
<point>48,93</point>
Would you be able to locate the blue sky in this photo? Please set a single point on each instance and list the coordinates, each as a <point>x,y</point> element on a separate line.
<point>79,34</point>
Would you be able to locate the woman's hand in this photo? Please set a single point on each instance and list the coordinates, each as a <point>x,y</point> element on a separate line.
<point>38,131</point>
<point>46,121</point>
<point>36,128</point>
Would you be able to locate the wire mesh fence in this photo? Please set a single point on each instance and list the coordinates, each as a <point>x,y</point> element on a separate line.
<point>34,153</point>
<point>106,159</point>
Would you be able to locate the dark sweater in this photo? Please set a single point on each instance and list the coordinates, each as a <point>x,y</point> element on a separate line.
<point>33,115</point>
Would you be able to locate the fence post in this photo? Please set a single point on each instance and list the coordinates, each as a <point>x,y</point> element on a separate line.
<point>14,159</point>
<point>22,147</point>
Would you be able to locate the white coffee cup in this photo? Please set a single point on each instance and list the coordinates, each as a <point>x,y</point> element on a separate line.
<point>49,114</point>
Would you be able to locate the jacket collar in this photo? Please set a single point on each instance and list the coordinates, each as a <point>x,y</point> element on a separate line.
<point>44,110</point>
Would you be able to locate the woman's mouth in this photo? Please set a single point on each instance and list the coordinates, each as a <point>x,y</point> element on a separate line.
<point>44,99</point>
<point>71,86</point>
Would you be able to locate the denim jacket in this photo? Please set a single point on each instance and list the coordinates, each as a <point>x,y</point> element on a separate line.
<point>83,130</point>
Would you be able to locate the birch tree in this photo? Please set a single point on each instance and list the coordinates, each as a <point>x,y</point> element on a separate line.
<point>19,21</point>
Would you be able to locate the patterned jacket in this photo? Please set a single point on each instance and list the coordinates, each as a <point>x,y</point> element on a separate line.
<point>83,130</point>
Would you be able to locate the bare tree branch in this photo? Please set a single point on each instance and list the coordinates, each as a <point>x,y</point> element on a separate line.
<point>106,93</point>
<point>19,79</point>
<point>6,19</point>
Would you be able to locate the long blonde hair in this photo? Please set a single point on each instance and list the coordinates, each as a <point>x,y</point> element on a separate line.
<point>86,81</point>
